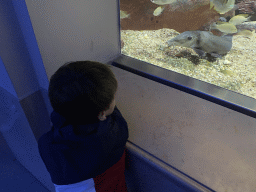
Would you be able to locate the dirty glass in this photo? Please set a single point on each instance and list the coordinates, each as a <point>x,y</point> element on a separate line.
<point>215,40</point>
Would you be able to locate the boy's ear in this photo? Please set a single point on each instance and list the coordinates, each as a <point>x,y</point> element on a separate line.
<point>102,116</point>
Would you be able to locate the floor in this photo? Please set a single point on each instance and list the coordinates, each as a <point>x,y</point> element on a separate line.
<point>14,177</point>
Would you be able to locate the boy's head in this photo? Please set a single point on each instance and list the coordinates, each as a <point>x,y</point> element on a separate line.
<point>83,91</point>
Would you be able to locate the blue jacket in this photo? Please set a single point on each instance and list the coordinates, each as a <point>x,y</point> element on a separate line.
<point>74,155</point>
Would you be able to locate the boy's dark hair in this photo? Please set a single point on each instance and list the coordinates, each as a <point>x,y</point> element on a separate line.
<point>80,90</point>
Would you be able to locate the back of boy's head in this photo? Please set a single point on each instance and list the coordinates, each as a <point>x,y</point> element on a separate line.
<point>80,90</point>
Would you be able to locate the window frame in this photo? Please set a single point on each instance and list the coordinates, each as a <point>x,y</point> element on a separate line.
<point>221,96</point>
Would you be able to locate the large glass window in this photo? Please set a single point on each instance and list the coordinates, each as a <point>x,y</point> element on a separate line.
<point>215,41</point>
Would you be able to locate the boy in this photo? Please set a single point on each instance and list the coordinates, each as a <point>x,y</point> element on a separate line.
<point>85,149</point>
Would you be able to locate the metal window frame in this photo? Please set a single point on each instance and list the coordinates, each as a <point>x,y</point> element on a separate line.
<point>221,96</point>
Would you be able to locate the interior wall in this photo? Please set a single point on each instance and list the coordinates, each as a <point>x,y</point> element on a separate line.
<point>16,137</point>
<point>22,60</point>
<point>210,143</point>
<point>68,31</point>
<point>213,144</point>
<point>5,84</point>
<point>24,65</point>
<point>14,52</point>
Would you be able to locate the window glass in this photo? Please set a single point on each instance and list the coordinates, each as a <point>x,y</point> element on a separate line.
<point>212,41</point>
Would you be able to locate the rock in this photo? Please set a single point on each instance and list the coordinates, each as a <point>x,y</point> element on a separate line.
<point>246,6</point>
<point>188,16</point>
<point>122,44</point>
<point>226,62</point>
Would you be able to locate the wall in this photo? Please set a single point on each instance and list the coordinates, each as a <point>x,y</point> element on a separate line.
<point>6,86</point>
<point>213,144</point>
<point>24,105</point>
<point>210,143</point>
<point>68,31</point>
<point>22,60</point>
<point>16,136</point>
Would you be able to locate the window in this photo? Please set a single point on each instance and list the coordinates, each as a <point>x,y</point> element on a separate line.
<point>147,26</point>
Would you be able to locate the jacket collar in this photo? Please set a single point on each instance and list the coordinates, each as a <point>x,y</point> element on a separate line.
<point>65,131</point>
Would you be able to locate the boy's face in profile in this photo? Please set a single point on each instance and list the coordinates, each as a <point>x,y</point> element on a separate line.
<point>103,115</point>
<point>111,108</point>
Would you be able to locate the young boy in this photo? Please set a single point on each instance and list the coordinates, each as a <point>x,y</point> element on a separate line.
<point>85,149</point>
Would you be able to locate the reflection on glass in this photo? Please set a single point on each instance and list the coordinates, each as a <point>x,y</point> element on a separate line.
<point>210,40</point>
